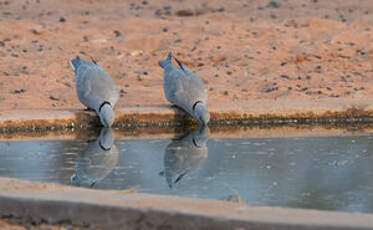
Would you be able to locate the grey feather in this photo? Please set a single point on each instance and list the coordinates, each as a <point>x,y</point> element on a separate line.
<point>182,87</point>
<point>95,162</point>
<point>94,85</point>
<point>163,63</point>
<point>185,154</point>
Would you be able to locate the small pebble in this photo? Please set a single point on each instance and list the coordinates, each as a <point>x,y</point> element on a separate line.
<point>62,20</point>
<point>54,97</point>
<point>37,30</point>
<point>18,91</point>
<point>285,76</point>
<point>273,4</point>
<point>117,33</point>
<point>221,9</point>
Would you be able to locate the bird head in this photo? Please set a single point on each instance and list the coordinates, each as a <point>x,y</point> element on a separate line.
<point>106,115</point>
<point>201,113</point>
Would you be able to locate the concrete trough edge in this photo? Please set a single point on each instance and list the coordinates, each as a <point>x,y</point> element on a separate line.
<point>116,217</point>
<point>244,114</point>
<point>113,210</point>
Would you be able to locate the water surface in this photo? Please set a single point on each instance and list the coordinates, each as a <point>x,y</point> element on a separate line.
<point>328,173</point>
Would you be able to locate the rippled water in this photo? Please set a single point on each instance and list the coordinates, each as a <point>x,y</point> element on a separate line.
<point>329,173</point>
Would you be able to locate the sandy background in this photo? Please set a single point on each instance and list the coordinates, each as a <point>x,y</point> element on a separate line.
<point>244,50</point>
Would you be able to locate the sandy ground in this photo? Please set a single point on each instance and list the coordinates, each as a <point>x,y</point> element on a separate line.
<point>243,50</point>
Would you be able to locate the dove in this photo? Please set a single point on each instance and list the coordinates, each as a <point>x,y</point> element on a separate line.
<point>96,161</point>
<point>95,88</point>
<point>184,89</point>
<point>185,154</point>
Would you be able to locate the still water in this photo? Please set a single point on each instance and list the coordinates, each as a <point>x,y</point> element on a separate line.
<point>327,173</point>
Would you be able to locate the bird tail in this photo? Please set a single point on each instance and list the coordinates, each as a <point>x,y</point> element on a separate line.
<point>163,63</point>
<point>75,62</point>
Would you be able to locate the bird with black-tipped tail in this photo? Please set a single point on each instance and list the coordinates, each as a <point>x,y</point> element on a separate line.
<point>95,88</point>
<point>184,89</point>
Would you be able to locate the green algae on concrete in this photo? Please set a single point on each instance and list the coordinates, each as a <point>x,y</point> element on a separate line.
<point>237,131</point>
<point>244,114</point>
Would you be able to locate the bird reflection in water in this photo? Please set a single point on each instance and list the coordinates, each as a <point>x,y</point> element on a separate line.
<point>185,154</point>
<point>95,162</point>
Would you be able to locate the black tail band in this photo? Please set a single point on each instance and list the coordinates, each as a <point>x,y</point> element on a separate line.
<point>195,143</point>
<point>195,104</point>
<point>102,147</point>
<point>102,105</point>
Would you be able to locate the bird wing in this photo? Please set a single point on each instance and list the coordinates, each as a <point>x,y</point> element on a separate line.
<point>94,86</point>
<point>173,84</point>
<point>190,91</point>
<point>182,87</point>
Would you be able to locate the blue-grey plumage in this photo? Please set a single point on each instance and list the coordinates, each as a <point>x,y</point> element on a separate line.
<point>96,161</point>
<point>185,154</point>
<point>95,89</point>
<point>184,89</point>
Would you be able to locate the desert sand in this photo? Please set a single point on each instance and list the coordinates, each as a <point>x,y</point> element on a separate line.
<point>245,51</point>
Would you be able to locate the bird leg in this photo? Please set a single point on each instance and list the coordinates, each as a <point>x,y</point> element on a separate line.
<point>88,109</point>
